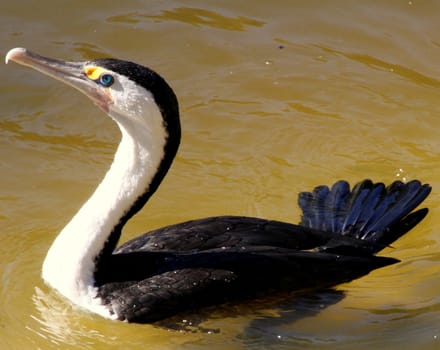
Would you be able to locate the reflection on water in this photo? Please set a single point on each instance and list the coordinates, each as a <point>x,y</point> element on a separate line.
<point>377,63</point>
<point>193,16</point>
<point>56,321</point>
<point>270,318</point>
<point>276,98</point>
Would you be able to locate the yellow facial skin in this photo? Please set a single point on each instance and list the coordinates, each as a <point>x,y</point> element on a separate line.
<point>93,72</point>
<point>102,97</point>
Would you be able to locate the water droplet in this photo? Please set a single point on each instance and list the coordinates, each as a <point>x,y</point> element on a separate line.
<point>400,174</point>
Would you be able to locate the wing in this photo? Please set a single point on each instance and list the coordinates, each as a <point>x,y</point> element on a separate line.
<point>193,280</point>
<point>358,222</point>
<point>226,231</point>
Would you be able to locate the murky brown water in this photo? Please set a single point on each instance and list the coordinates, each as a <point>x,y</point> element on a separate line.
<point>276,97</point>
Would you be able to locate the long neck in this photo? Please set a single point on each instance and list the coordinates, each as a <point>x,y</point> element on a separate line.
<point>71,261</point>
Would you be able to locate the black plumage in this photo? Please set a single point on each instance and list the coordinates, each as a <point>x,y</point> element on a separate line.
<point>218,259</point>
<point>206,261</point>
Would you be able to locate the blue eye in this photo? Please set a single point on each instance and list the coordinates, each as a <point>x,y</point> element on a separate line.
<point>106,80</point>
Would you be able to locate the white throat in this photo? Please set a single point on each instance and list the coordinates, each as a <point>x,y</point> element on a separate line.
<point>71,261</point>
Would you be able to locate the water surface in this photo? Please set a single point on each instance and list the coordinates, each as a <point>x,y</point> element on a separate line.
<point>276,97</point>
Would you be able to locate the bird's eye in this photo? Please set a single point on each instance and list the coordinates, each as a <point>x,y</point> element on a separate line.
<point>106,80</point>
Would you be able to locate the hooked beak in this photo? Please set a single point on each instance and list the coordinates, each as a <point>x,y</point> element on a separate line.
<point>71,73</point>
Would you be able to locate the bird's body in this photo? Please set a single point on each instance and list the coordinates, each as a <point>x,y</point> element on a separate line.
<point>206,261</point>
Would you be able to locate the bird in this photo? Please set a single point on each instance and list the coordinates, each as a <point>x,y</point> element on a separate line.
<point>209,261</point>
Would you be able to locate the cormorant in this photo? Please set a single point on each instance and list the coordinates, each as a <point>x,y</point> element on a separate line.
<point>211,260</point>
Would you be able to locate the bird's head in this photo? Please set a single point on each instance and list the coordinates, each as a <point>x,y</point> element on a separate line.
<point>128,92</point>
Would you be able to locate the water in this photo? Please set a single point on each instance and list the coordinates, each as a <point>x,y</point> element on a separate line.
<point>276,97</point>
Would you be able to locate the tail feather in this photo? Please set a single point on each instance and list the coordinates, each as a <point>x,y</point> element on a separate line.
<point>409,196</point>
<point>361,207</point>
<point>337,199</point>
<point>313,207</point>
<point>370,211</point>
<point>403,226</point>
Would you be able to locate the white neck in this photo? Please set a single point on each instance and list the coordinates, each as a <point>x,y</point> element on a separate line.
<point>71,261</point>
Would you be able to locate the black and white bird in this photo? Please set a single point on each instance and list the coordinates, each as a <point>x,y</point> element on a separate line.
<point>211,260</point>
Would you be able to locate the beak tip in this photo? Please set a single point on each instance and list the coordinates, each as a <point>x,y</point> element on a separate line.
<point>13,54</point>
